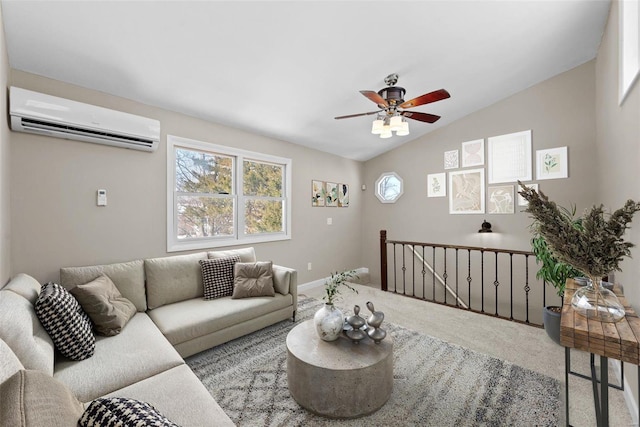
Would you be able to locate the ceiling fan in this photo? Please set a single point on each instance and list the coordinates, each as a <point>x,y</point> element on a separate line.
<point>392,106</point>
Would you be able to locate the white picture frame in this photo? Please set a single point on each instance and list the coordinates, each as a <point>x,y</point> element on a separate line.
<point>500,199</point>
<point>437,185</point>
<point>521,200</point>
<point>552,163</point>
<point>466,191</point>
<point>509,157</point>
<point>473,153</point>
<point>628,46</point>
<point>451,159</point>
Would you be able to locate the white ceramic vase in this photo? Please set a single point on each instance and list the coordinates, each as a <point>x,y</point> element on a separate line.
<point>329,322</point>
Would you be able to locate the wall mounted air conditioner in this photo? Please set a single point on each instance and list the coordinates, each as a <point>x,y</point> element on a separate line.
<point>42,114</point>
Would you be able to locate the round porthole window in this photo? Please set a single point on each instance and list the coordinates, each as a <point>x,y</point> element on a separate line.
<point>389,187</point>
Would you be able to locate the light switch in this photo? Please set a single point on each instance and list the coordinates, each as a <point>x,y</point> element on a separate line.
<point>102,198</point>
<point>329,221</point>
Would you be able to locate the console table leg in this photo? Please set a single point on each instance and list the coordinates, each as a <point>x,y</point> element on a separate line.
<point>567,369</point>
<point>604,391</point>
<point>596,395</point>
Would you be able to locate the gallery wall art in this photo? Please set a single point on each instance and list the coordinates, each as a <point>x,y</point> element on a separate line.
<point>436,185</point>
<point>500,199</point>
<point>521,200</point>
<point>329,194</point>
<point>466,191</point>
<point>473,153</point>
<point>552,163</point>
<point>509,157</point>
<point>451,159</point>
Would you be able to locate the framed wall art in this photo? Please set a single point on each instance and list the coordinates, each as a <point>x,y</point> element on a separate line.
<point>466,191</point>
<point>318,195</point>
<point>343,195</point>
<point>509,157</point>
<point>473,153</point>
<point>331,192</point>
<point>552,163</point>
<point>500,199</point>
<point>451,159</point>
<point>521,200</point>
<point>437,185</point>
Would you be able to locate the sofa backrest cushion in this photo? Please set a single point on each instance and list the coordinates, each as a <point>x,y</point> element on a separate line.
<point>35,399</point>
<point>172,279</point>
<point>25,286</point>
<point>127,276</point>
<point>9,362</point>
<point>245,254</point>
<point>24,334</point>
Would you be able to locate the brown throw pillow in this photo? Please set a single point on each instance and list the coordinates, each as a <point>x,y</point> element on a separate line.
<point>102,301</point>
<point>253,279</point>
<point>36,399</point>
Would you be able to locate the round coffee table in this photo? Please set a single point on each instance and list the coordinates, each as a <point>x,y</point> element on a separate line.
<point>338,379</point>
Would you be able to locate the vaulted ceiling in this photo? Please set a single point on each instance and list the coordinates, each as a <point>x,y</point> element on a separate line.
<point>285,69</point>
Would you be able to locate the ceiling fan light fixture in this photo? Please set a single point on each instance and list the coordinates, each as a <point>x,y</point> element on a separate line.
<point>386,132</point>
<point>376,127</point>
<point>395,123</point>
<point>404,129</point>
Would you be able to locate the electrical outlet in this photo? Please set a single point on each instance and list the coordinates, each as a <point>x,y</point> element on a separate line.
<point>329,221</point>
<point>309,266</point>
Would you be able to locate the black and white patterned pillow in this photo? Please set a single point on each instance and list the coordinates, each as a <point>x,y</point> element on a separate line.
<point>66,323</point>
<point>122,411</point>
<point>217,276</point>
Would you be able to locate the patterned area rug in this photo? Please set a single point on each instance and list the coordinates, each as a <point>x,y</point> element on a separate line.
<point>435,384</point>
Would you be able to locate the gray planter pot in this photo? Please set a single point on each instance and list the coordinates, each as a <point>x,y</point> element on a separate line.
<point>551,320</point>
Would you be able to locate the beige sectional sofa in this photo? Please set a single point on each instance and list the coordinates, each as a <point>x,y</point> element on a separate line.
<point>145,361</point>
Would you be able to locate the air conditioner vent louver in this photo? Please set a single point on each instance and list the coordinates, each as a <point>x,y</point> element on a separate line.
<point>42,114</point>
<point>37,125</point>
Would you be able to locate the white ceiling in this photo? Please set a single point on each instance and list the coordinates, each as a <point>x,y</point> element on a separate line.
<point>285,69</point>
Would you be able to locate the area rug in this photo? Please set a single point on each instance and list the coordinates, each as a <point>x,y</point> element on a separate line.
<point>435,384</point>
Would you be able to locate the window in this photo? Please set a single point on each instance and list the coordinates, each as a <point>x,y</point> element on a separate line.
<point>220,196</point>
<point>389,187</point>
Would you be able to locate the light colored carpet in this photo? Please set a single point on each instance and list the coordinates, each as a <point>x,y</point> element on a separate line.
<point>435,384</point>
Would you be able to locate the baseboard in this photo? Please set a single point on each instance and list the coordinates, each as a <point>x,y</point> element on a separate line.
<point>320,282</point>
<point>632,406</point>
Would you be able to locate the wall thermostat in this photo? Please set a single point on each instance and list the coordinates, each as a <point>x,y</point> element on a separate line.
<point>102,198</point>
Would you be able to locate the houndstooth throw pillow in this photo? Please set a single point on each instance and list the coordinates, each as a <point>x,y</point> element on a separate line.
<point>217,276</point>
<point>121,411</point>
<point>66,323</point>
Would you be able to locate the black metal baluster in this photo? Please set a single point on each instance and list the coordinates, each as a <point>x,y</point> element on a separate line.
<point>511,285</point>
<point>424,274</point>
<point>444,275</point>
<point>433,273</point>
<point>482,280</point>
<point>496,283</point>
<point>404,272</point>
<point>469,279</point>
<point>395,271</point>
<point>527,289</point>
<point>457,299</point>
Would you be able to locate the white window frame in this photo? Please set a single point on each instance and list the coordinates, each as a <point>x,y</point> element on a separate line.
<point>238,238</point>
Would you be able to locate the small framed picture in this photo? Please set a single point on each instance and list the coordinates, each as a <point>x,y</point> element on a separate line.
<point>451,159</point>
<point>437,185</point>
<point>317,193</point>
<point>500,199</point>
<point>343,195</point>
<point>331,191</point>
<point>473,153</point>
<point>521,200</point>
<point>552,163</point>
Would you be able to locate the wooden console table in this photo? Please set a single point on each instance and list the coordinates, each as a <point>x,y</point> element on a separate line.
<point>608,340</point>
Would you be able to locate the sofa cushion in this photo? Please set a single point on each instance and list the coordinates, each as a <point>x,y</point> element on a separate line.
<point>67,324</point>
<point>173,279</point>
<point>138,352</point>
<point>189,404</point>
<point>35,399</point>
<point>108,309</point>
<point>186,320</point>
<point>115,411</point>
<point>245,254</point>
<point>282,279</point>
<point>24,334</point>
<point>217,276</point>
<point>253,279</point>
<point>127,276</point>
<point>9,362</point>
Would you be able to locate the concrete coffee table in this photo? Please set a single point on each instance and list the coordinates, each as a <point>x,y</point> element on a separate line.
<point>338,379</point>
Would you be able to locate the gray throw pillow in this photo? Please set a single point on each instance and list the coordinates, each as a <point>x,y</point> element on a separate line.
<point>102,301</point>
<point>253,279</point>
<point>66,323</point>
<point>217,276</point>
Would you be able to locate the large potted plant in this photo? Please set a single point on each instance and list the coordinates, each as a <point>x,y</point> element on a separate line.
<point>555,273</point>
<point>595,248</point>
<point>329,320</point>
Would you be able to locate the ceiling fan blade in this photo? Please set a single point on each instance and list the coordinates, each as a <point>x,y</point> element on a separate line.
<point>375,97</point>
<point>357,115</point>
<point>427,98</point>
<point>423,117</point>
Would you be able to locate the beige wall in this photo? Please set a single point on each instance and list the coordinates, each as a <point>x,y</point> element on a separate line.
<point>618,154</point>
<point>54,184</point>
<point>559,111</point>
<point>5,213</point>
